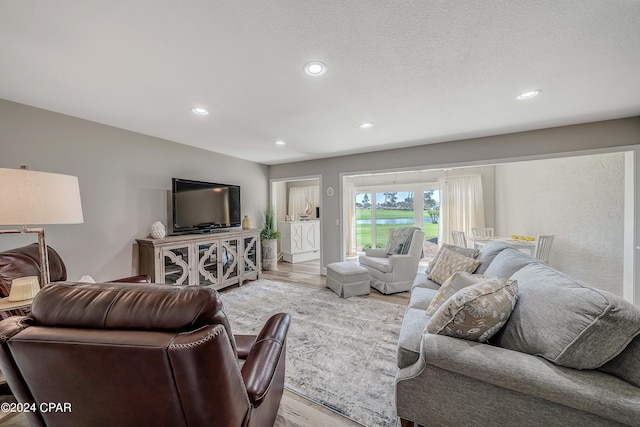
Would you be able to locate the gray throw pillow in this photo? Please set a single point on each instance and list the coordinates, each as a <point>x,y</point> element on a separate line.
<point>508,262</point>
<point>566,321</point>
<point>488,252</point>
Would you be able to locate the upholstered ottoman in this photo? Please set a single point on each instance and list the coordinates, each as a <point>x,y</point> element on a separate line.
<point>348,279</point>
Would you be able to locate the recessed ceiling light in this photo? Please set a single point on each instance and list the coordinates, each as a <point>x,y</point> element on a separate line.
<point>529,94</point>
<point>315,68</point>
<point>366,125</point>
<point>281,143</point>
<point>199,111</point>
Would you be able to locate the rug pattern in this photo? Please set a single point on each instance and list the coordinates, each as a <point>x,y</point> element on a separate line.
<point>341,353</point>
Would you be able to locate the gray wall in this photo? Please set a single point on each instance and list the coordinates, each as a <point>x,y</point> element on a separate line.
<point>516,146</point>
<point>580,200</point>
<point>124,179</point>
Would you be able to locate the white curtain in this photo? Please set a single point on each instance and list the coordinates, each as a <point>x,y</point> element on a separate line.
<point>298,197</point>
<point>461,205</point>
<point>350,219</point>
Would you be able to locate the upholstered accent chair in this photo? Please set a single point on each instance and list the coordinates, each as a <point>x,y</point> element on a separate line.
<point>141,355</point>
<point>394,268</point>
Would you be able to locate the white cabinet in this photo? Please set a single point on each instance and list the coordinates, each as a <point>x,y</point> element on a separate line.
<point>300,240</point>
<point>218,260</point>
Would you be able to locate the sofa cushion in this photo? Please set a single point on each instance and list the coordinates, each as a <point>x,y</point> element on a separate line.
<point>448,263</point>
<point>488,253</point>
<point>421,297</point>
<point>471,253</point>
<point>507,262</point>
<point>566,321</point>
<point>476,312</point>
<point>421,281</point>
<point>453,284</point>
<point>410,337</point>
<point>625,365</point>
<point>380,264</point>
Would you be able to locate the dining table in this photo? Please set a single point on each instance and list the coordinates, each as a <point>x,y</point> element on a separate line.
<point>520,244</point>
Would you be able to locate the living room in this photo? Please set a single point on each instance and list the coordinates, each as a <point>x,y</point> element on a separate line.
<point>125,165</point>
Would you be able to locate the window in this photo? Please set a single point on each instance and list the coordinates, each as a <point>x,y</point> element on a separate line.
<point>380,209</point>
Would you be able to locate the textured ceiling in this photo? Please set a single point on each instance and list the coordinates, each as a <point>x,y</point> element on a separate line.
<point>421,71</point>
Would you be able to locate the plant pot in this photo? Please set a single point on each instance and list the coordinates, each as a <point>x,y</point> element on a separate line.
<point>270,254</point>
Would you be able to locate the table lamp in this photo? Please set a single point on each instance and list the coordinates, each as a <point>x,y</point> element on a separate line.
<point>30,198</point>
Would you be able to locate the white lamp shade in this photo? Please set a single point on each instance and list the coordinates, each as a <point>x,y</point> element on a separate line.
<point>39,198</point>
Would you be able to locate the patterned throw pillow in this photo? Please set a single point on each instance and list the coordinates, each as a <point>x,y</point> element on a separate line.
<point>468,252</point>
<point>476,312</point>
<point>453,284</point>
<point>400,240</point>
<point>448,263</point>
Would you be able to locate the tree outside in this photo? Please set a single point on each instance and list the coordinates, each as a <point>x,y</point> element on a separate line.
<point>393,209</point>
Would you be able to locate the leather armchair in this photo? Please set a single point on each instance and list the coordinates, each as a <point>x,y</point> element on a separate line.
<point>25,261</point>
<point>393,273</point>
<point>141,354</point>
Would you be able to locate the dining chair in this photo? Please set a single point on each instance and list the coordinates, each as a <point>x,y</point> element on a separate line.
<point>459,239</point>
<point>543,248</point>
<point>482,232</point>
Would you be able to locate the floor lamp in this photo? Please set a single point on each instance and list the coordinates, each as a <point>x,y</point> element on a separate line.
<point>29,198</point>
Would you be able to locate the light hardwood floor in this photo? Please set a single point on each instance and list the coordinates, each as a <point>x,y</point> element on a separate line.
<point>296,411</point>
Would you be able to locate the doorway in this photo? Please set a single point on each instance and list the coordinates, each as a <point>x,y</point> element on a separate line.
<point>296,204</point>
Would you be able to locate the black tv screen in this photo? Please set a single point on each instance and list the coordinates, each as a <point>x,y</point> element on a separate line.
<point>203,206</point>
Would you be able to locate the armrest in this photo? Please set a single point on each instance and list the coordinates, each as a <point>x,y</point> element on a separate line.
<point>144,278</point>
<point>244,344</point>
<point>376,252</point>
<point>528,374</point>
<point>262,361</point>
<point>404,267</point>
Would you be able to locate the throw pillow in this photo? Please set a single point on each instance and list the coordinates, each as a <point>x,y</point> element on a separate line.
<point>448,263</point>
<point>566,321</point>
<point>453,284</point>
<point>400,240</point>
<point>476,312</point>
<point>468,252</point>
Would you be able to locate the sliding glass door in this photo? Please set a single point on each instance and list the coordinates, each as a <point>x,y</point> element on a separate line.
<point>377,211</point>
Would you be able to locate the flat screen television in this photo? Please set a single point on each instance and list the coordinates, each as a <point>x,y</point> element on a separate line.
<point>199,206</point>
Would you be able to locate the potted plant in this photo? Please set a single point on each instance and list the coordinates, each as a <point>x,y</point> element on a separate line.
<point>269,239</point>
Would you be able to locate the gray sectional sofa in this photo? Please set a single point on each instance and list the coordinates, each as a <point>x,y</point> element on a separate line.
<point>569,355</point>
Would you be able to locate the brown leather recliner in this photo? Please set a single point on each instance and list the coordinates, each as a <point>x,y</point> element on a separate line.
<point>119,354</point>
<point>25,261</point>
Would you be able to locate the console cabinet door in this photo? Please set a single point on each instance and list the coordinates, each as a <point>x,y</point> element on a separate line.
<point>174,265</point>
<point>208,259</point>
<point>229,266</point>
<point>251,259</point>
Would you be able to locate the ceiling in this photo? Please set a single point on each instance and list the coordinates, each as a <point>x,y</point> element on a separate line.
<point>421,71</point>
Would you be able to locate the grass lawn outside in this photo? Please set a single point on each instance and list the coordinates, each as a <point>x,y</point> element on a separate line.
<point>363,231</point>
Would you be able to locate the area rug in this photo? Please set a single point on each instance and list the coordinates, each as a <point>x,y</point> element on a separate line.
<point>341,353</point>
